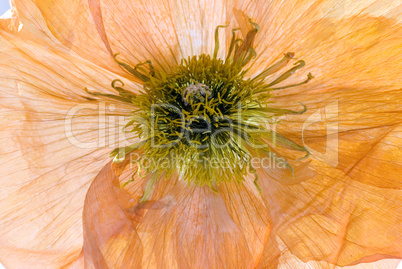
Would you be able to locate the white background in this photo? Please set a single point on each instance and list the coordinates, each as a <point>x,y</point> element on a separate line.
<point>4,6</point>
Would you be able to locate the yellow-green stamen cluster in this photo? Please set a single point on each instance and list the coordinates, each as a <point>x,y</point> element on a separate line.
<point>203,117</point>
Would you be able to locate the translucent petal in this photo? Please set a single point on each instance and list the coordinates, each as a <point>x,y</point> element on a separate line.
<point>45,170</point>
<point>335,219</point>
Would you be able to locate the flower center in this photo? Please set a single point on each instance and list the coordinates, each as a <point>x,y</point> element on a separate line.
<point>205,119</point>
<point>194,120</point>
<point>196,94</point>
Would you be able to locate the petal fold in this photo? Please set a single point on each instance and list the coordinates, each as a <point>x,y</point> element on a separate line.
<point>110,238</point>
<point>329,217</point>
<point>53,143</point>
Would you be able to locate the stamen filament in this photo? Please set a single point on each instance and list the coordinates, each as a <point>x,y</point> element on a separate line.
<point>204,110</point>
<point>111,96</point>
<point>150,185</point>
<point>275,67</point>
<point>309,77</point>
<point>151,68</point>
<point>130,69</point>
<point>299,64</point>
<point>232,43</point>
<point>217,39</point>
<point>248,42</point>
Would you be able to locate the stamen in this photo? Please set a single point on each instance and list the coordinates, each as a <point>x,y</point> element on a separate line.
<point>251,55</point>
<point>149,189</point>
<point>111,96</point>
<point>217,39</point>
<point>129,181</point>
<point>309,77</point>
<point>151,70</point>
<point>256,26</point>
<point>299,64</point>
<point>283,141</point>
<point>130,69</point>
<point>204,110</point>
<point>123,93</point>
<point>275,67</point>
<point>248,42</point>
<point>119,154</point>
<point>237,46</point>
<point>232,43</point>
<point>256,182</point>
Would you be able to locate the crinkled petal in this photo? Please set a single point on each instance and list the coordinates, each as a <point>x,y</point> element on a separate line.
<point>52,147</point>
<point>276,255</point>
<point>192,227</point>
<point>325,218</point>
<point>302,27</point>
<point>110,236</point>
<point>182,226</point>
<point>285,260</point>
<point>71,24</point>
<point>353,130</point>
<point>329,217</point>
<point>247,210</point>
<point>162,32</point>
<point>354,117</point>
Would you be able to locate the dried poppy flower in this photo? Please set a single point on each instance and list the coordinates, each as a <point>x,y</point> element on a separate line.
<point>230,158</point>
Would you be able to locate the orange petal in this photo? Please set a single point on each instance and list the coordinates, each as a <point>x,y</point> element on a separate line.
<point>140,31</point>
<point>247,210</point>
<point>182,226</point>
<point>67,22</point>
<point>385,154</point>
<point>328,218</point>
<point>295,26</point>
<point>371,155</point>
<point>195,227</point>
<point>110,238</point>
<point>44,175</point>
<point>162,33</point>
<point>276,255</point>
<point>354,111</point>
